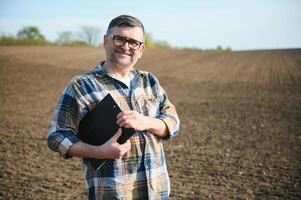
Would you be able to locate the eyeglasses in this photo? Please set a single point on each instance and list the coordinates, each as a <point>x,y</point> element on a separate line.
<point>120,41</point>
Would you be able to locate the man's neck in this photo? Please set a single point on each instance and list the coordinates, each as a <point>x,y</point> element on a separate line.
<point>122,72</point>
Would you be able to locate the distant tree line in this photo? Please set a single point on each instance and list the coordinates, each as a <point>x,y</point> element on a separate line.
<point>150,42</point>
<point>220,48</point>
<point>31,35</point>
<point>87,35</point>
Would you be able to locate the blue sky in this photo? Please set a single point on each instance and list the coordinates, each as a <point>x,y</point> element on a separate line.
<point>239,24</point>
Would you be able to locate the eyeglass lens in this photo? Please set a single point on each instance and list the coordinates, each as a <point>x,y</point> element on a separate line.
<point>120,41</point>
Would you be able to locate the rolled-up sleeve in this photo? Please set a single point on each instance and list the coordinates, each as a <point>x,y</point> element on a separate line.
<point>64,123</point>
<point>169,116</point>
<point>167,112</point>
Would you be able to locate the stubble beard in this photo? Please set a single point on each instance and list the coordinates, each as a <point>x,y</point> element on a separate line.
<point>121,62</point>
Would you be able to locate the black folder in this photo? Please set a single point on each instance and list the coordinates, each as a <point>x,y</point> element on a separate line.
<point>99,125</point>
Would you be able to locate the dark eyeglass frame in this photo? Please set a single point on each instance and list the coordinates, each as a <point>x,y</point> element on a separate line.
<point>119,41</point>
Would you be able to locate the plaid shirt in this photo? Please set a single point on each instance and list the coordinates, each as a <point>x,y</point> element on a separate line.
<point>142,172</point>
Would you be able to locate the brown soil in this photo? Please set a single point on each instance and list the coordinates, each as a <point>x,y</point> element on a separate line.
<point>240,122</point>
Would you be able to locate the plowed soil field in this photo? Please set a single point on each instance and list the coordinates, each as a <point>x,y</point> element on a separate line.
<point>240,122</point>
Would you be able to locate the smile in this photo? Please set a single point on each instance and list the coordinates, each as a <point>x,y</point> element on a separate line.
<point>123,53</point>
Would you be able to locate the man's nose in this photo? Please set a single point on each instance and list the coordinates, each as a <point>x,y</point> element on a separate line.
<point>126,45</point>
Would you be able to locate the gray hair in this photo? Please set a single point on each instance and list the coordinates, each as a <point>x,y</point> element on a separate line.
<point>125,21</point>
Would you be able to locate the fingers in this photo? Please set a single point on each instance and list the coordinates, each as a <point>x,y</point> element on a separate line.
<point>132,119</point>
<point>123,149</point>
<point>119,121</point>
<point>120,118</point>
<point>112,149</point>
<point>124,119</point>
<point>126,146</point>
<point>125,123</point>
<point>117,135</point>
<point>127,112</point>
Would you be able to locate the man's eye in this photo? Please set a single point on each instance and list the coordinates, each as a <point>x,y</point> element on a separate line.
<point>133,42</point>
<point>120,39</point>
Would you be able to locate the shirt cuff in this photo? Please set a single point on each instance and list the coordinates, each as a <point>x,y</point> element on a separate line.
<point>62,142</point>
<point>171,128</point>
<point>66,144</point>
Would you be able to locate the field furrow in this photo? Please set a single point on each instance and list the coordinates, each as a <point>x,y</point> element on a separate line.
<point>240,122</point>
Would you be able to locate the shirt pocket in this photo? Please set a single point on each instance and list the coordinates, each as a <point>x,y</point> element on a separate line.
<point>122,102</point>
<point>149,105</point>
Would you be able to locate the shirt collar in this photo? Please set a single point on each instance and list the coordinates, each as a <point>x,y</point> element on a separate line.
<point>101,71</point>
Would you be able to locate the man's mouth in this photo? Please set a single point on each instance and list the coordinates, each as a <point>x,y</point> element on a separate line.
<point>123,53</point>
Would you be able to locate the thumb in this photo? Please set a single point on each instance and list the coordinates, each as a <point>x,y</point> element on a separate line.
<point>117,135</point>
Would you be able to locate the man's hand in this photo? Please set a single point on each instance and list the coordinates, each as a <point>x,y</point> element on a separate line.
<point>133,119</point>
<point>112,149</point>
<point>109,150</point>
<point>139,122</point>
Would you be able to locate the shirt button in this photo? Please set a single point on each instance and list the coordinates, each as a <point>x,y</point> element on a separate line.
<point>147,164</point>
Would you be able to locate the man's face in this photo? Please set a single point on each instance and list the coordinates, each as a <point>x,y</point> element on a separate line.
<point>124,55</point>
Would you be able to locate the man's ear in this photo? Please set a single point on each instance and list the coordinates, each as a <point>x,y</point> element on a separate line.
<point>141,50</point>
<point>105,40</point>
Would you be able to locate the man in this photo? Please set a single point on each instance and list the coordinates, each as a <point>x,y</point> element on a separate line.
<point>137,168</point>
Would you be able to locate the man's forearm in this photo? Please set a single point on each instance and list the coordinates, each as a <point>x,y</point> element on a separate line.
<point>157,127</point>
<point>109,150</point>
<point>81,149</point>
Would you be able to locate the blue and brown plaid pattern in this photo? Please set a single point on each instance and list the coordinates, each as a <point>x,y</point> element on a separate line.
<point>142,172</point>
